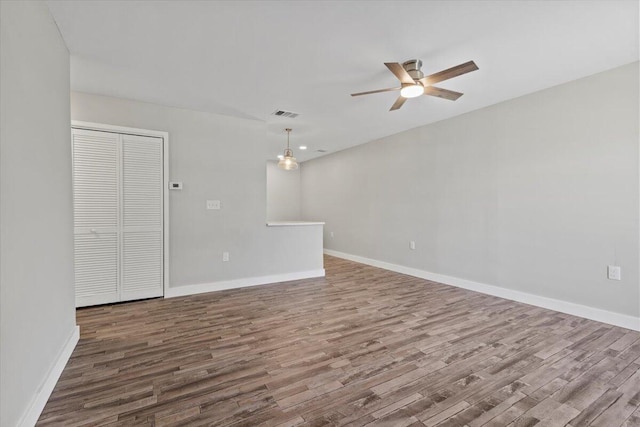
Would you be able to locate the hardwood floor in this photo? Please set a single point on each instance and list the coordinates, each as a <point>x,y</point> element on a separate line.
<point>361,346</point>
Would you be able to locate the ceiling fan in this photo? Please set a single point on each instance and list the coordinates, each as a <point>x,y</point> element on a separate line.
<point>414,83</point>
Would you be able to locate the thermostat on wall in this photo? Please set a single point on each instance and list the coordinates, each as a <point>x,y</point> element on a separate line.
<point>175,186</point>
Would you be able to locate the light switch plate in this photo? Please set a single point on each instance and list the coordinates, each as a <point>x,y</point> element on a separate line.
<point>213,204</point>
<point>614,272</point>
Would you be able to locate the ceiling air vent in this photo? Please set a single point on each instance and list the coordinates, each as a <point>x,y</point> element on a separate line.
<point>321,151</point>
<point>283,113</point>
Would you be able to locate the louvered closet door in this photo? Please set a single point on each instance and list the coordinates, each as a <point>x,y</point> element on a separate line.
<point>96,212</point>
<point>142,230</point>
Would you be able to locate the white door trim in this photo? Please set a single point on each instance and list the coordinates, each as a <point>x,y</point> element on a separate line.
<point>165,177</point>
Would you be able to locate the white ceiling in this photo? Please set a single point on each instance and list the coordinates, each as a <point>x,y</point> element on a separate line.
<point>249,58</point>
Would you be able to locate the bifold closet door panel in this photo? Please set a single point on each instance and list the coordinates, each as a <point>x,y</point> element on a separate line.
<point>96,212</point>
<point>142,217</point>
<point>96,269</point>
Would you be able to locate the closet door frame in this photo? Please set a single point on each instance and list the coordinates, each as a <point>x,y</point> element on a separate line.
<point>75,124</point>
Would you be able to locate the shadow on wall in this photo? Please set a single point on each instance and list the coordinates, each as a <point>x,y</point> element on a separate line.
<point>283,194</point>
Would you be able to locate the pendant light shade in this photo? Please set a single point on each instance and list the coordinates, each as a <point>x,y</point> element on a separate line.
<point>288,162</point>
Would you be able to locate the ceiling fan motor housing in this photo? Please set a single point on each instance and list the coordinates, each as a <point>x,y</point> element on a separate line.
<point>412,67</point>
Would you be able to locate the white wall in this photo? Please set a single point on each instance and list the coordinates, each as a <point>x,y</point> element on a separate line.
<point>537,194</point>
<point>37,311</point>
<point>219,158</point>
<point>283,194</point>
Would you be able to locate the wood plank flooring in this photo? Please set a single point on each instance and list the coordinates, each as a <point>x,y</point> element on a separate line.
<point>362,346</point>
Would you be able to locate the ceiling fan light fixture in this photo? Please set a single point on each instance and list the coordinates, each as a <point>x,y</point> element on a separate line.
<point>412,91</point>
<point>288,162</point>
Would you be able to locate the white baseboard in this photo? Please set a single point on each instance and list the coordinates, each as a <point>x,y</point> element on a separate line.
<point>604,316</point>
<point>200,288</point>
<point>39,401</point>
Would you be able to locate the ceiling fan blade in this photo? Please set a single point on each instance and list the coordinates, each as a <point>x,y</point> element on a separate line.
<point>399,71</point>
<point>396,105</point>
<point>449,73</point>
<point>442,93</point>
<point>391,89</point>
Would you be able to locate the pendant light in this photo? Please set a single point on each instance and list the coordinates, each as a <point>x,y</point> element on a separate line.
<point>288,162</point>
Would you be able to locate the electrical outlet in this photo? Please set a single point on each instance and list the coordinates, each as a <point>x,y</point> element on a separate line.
<point>412,245</point>
<point>213,204</point>
<point>225,256</point>
<point>614,272</point>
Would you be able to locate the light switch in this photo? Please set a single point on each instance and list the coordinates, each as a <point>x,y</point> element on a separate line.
<point>613,272</point>
<point>213,204</point>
